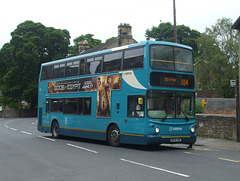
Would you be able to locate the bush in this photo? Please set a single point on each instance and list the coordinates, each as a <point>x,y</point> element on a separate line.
<point>198,107</point>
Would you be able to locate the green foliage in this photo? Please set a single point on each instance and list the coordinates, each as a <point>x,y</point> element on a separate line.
<point>74,50</point>
<point>20,60</point>
<point>198,107</point>
<point>165,31</point>
<point>218,60</point>
<point>110,39</point>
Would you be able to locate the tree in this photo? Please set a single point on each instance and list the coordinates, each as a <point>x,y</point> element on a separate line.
<point>31,44</point>
<point>165,31</point>
<point>74,50</point>
<point>218,60</point>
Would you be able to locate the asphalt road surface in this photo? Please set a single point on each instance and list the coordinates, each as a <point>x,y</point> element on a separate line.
<point>28,155</point>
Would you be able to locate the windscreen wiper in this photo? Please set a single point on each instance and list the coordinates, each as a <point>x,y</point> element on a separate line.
<point>187,119</point>
<point>165,117</point>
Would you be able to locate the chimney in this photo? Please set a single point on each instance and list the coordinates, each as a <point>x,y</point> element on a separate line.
<point>83,46</point>
<point>125,31</point>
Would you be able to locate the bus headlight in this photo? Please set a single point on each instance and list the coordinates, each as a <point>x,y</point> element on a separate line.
<point>157,130</point>
<point>192,129</point>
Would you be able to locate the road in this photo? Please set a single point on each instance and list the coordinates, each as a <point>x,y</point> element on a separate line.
<point>26,154</point>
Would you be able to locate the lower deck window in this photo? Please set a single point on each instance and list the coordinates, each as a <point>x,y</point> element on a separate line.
<point>56,105</point>
<point>135,106</point>
<point>80,106</point>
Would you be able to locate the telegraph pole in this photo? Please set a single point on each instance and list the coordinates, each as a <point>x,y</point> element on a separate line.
<point>236,26</point>
<point>174,18</point>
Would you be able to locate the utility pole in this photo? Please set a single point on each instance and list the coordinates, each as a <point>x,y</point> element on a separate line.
<point>174,18</point>
<point>236,26</point>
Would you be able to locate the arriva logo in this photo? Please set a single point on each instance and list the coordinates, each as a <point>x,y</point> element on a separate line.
<point>175,128</point>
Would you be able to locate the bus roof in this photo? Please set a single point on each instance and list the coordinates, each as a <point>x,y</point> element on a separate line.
<point>116,49</point>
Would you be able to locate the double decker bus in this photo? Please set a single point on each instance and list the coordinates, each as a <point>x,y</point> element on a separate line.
<point>142,93</point>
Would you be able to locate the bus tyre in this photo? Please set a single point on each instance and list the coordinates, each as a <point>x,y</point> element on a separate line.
<point>55,129</point>
<point>114,136</point>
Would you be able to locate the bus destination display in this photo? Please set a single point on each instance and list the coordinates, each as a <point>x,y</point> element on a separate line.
<point>172,80</point>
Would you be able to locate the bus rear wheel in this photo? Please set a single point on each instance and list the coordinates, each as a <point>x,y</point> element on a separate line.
<point>114,136</point>
<point>55,129</point>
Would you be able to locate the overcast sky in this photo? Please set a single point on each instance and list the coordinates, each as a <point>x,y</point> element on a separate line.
<point>102,17</point>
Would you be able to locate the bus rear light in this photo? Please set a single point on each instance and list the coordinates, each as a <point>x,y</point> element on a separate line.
<point>125,121</point>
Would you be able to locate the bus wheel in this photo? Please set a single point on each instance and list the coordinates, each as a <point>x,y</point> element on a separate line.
<point>114,136</point>
<point>55,129</point>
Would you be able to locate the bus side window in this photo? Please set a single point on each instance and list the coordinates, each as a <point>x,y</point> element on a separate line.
<point>72,69</point>
<point>70,106</point>
<point>93,66</point>
<point>87,105</point>
<point>56,105</point>
<point>84,107</point>
<point>112,62</point>
<point>135,106</point>
<point>58,70</point>
<point>82,66</point>
<point>47,105</point>
<point>133,59</point>
<point>46,73</point>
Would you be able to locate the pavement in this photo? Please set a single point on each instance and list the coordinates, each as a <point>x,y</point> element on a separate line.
<point>213,143</point>
<point>217,144</point>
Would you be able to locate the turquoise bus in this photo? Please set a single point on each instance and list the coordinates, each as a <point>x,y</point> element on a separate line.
<point>142,93</point>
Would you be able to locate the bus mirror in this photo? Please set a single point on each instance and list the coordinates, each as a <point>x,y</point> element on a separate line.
<point>140,100</point>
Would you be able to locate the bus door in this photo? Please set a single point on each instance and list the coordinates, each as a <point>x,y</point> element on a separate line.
<point>46,110</point>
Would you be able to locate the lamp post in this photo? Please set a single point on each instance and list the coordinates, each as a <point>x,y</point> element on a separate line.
<point>174,19</point>
<point>236,26</point>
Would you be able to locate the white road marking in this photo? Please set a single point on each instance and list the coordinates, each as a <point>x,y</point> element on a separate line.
<point>229,160</point>
<point>13,129</point>
<point>24,132</point>
<point>49,139</point>
<point>75,146</point>
<point>156,168</point>
<point>190,153</point>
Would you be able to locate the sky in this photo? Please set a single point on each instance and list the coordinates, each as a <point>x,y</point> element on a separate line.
<point>102,17</point>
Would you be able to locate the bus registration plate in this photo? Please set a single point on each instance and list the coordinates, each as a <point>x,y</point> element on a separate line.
<point>175,140</point>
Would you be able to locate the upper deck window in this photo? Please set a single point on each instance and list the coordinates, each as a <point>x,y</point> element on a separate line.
<point>72,69</point>
<point>164,57</point>
<point>58,70</point>
<point>112,62</point>
<point>93,65</point>
<point>133,59</point>
<point>46,73</point>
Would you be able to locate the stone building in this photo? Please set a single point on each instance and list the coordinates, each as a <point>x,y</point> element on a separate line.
<point>124,38</point>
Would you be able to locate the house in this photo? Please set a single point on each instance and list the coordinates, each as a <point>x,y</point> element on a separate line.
<point>124,38</point>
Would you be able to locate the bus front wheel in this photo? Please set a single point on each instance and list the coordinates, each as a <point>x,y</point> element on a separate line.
<point>114,135</point>
<point>55,129</point>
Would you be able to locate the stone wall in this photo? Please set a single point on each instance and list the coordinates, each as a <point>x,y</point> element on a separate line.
<point>217,126</point>
<point>12,113</point>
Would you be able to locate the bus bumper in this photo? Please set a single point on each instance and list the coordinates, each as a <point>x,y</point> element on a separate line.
<point>158,139</point>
